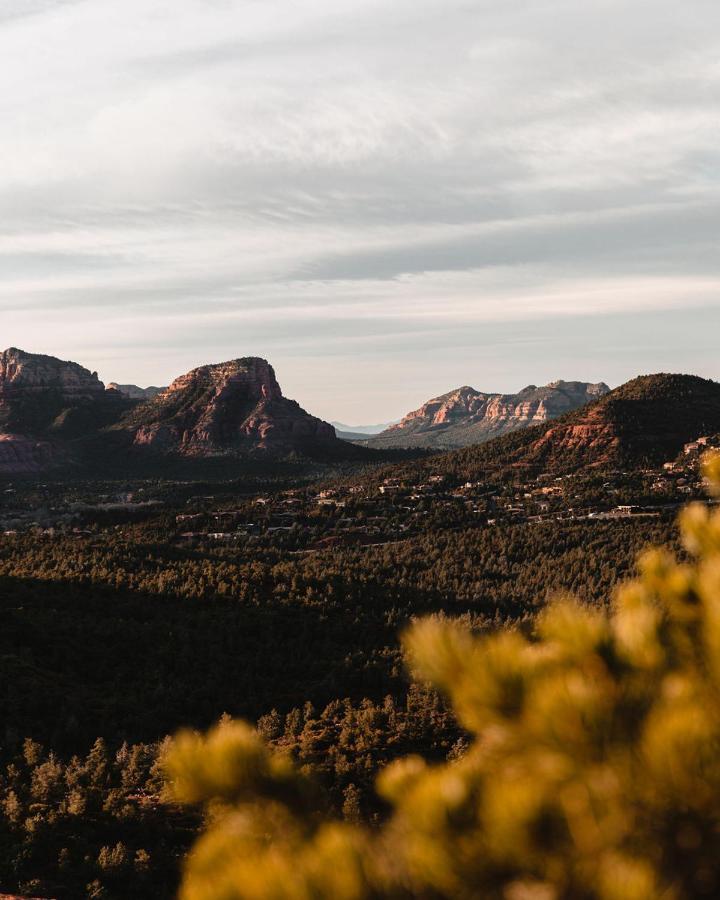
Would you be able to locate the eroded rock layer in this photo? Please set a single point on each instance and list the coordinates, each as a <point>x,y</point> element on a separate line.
<point>465,416</point>
<point>232,406</point>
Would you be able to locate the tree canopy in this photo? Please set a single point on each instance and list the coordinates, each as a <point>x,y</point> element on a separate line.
<point>593,769</point>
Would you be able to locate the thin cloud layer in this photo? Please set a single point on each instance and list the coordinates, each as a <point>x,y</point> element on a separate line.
<point>363,186</point>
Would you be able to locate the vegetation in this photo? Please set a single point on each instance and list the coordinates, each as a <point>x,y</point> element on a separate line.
<point>95,825</point>
<point>121,634</point>
<point>115,625</point>
<point>124,636</point>
<point>593,769</point>
<point>91,826</point>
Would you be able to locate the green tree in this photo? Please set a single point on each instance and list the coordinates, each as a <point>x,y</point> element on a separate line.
<point>594,771</point>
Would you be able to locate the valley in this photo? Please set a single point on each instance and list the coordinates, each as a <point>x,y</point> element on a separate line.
<point>230,565</point>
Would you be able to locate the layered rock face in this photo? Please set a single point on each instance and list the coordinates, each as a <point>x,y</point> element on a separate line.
<point>236,406</point>
<point>55,413</point>
<point>133,392</point>
<point>44,403</point>
<point>466,416</point>
<point>31,383</point>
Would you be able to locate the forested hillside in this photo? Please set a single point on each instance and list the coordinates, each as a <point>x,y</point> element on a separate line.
<point>134,607</point>
<point>121,638</point>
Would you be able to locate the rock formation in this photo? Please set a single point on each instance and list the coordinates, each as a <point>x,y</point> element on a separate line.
<point>465,416</point>
<point>28,377</point>
<point>22,455</point>
<point>56,413</point>
<point>235,406</point>
<point>46,403</point>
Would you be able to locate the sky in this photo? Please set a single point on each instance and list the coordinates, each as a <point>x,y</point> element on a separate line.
<point>387,200</point>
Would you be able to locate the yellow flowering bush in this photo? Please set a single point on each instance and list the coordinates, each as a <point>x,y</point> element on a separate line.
<point>594,771</point>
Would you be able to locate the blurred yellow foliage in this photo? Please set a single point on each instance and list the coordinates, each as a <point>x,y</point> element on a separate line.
<point>594,770</point>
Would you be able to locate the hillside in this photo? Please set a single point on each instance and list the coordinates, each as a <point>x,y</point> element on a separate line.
<point>465,416</point>
<point>645,422</point>
<point>57,415</point>
<point>123,637</point>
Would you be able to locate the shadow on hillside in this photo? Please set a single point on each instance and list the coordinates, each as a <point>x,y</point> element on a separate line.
<point>78,661</point>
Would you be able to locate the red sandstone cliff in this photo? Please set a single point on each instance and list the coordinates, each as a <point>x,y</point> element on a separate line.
<point>465,416</point>
<point>219,409</point>
<point>45,404</point>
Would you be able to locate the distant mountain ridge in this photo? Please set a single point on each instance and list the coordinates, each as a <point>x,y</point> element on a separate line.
<point>55,414</point>
<point>134,392</point>
<point>466,416</point>
<point>358,432</point>
<point>644,422</point>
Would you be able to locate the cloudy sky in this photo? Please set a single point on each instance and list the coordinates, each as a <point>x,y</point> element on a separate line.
<point>385,199</point>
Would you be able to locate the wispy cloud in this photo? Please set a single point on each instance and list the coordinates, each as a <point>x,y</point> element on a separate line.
<point>329,182</point>
<point>11,10</point>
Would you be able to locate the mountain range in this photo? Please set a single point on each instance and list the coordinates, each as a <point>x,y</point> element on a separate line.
<point>467,416</point>
<point>644,422</point>
<point>358,432</point>
<point>133,392</point>
<point>55,413</point>
<point>236,406</point>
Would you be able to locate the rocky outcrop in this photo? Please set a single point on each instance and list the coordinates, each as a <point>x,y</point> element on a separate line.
<point>56,413</point>
<point>133,392</point>
<point>466,416</point>
<point>34,389</point>
<point>231,407</point>
<point>46,404</point>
